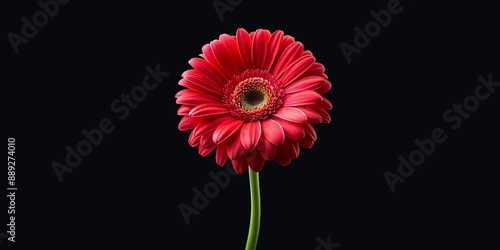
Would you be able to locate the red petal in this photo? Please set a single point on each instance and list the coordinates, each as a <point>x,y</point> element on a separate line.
<point>327,85</point>
<point>266,149</point>
<point>188,123</point>
<point>292,130</point>
<point>209,70</point>
<point>184,110</point>
<point>286,41</point>
<point>308,83</point>
<point>273,132</point>
<point>267,33</point>
<point>234,148</point>
<point>291,53</point>
<point>310,132</point>
<point>324,115</point>
<point>250,134</point>
<point>291,114</point>
<point>324,104</point>
<point>206,145</point>
<point>307,53</point>
<point>221,154</point>
<point>259,49</point>
<point>296,69</point>
<point>208,109</point>
<point>256,163</point>
<point>194,98</point>
<point>205,151</point>
<point>193,140</point>
<point>208,54</point>
<point>197,81</point>
<point>226,129</point>
<point>290,148</point>
<point>282,159</point>
<point>239,165</point>
<point>224,58</point>
<point>181,92</point>
<point>230,42</point>
<point>244,46</point>
<point>273,49</point>
<point>210,124</point>
<point>198,88</point>
<point>327,104</point>
<point>206,141</point>
<point>312,116</point>
<point>317,69</point>
<point>304,98</point>
<point>306,143</point>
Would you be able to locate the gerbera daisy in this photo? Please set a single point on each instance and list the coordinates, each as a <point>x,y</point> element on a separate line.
<point>252,97</point>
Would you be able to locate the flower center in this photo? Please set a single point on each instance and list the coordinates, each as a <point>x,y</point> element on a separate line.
<point>253,95</point>
<point>254,98</point>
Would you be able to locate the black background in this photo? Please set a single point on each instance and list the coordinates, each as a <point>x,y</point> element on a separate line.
<point>127,192</point>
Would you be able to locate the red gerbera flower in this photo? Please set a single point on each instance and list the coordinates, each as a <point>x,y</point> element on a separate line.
<point>252,97</point>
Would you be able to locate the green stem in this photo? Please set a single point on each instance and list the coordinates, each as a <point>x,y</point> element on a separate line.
<point>253,231</point>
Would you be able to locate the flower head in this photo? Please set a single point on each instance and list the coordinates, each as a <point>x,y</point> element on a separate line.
<point>252,97</point>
